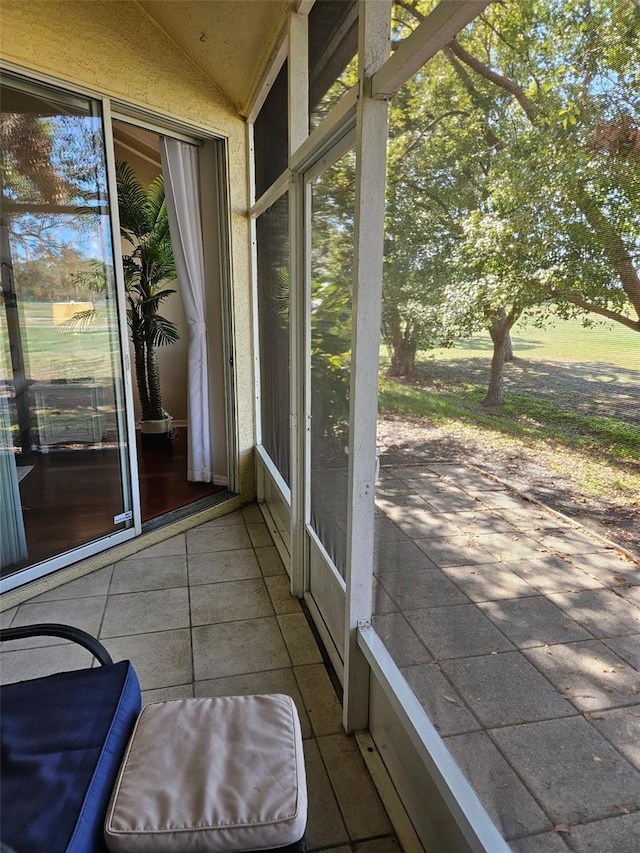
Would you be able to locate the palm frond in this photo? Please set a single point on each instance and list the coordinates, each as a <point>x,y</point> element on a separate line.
<point>148,266</point>
<point>78,322</point>
<point>131,201</point>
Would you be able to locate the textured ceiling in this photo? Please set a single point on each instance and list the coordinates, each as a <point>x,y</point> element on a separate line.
<point>231,41</point>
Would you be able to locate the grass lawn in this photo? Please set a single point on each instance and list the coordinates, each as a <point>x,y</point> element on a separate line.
<point>55,352</point>
<point>568,341</point>
<point>572,402</point>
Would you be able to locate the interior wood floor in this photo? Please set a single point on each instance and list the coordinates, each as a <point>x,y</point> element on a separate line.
<point>70,497</point>
<point>163,480</point>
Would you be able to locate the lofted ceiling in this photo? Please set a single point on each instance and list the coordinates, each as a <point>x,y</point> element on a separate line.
<point>231,41</point>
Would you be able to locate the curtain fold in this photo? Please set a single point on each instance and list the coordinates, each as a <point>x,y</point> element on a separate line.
<point>13,544</point>
<point>180,170</point>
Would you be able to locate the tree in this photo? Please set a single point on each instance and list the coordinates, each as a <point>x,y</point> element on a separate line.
<point>522,144</point>
<point>147,267</point>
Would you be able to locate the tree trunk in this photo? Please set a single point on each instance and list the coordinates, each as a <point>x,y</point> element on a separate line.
<point>141,372</point>
<point>403,356</point>
<point>499,331</point>
<point>153,380</point>
<point>508,347</point>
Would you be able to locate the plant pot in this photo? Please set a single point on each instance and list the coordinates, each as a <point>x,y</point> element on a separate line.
<point>157,434</point>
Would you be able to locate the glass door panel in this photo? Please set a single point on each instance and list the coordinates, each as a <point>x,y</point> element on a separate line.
<point>331,278</point>
<point>272,239</point>
<point>65,474</point>
<point>330,199</point>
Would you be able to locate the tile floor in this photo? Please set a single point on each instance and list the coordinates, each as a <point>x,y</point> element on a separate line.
<point>208,613</point>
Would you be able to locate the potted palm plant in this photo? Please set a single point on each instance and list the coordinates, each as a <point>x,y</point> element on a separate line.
<point>147,269</point>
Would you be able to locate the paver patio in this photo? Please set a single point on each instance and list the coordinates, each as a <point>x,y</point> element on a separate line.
<point>519,632</point>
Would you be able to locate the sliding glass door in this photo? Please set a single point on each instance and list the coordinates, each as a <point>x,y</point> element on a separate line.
<point>330,200</point>
<point>64,459</point>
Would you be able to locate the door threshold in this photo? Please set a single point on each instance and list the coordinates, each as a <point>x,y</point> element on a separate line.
<point>181,512</point>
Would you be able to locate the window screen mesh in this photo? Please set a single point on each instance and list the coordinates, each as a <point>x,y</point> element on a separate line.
<point>272,229</point>
<point>271,135</point>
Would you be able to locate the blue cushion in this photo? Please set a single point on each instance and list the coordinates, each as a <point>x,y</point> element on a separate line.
<point>63,738</point>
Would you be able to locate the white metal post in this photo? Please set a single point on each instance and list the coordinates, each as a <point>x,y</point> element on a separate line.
<point>371,146</point>
<point>298,132</point>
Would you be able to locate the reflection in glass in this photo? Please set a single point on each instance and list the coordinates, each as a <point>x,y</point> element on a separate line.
<point>331,296</point>
<point>61,380</point>
<point>333,55</point>
<point>272,232</point>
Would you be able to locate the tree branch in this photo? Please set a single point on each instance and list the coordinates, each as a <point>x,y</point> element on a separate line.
<point>431,125</point>
<point>580,302</point>
<point>613,246</point>
<point>495,78</point>
<point>476,98</point>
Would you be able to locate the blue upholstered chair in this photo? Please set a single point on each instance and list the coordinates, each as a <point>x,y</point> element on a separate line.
<point>63,738</point>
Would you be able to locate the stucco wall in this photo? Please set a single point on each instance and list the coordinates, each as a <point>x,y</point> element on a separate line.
<point>114,49</point>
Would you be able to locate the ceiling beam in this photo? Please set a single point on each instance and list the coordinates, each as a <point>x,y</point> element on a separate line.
<point>431,35</point>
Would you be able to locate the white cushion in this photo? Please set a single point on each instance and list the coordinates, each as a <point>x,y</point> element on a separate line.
<point>221,774</point>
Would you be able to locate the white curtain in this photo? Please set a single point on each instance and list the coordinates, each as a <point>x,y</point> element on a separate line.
<point>180,170</point>
<point>13,545</point>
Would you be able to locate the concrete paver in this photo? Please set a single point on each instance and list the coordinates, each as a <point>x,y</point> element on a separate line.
<point>445,707</point>
<point>549,573</point>
<point>603,612</point>
<point>457,631</point>
<point>512,807</point>
<point>574,773</point>
<point>627,648</point>
<point>489,581</point>
<point>588,674</point>
<point>615,835</point>
<point>534,621</point>
<point>505,689</point>
<point>534,682</point>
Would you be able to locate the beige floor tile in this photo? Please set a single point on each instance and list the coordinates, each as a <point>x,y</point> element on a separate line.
<point>84,613</point>
<point>167,548</point>
<point>235,648</point>
<point>161,659</point>
<point>252,513</point>
<point>137,575</point>
<point>320,700</point>
<point>325,826</point>
<point>230,602</point>
<point>165,694</point>
<point>272,681</point>
<point>270,561</point>
<point>25,664</point>
<point>95,583</point>
<point>299,639</point>
<point>378,845</point>
<point>143,612</point>
<point>280,592</point>
<point>358,799</point>
<point>260,536</point>
<point>221,566</point>
<point>6,617</point>
<point>211,537</point>
<point>236,517</point>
